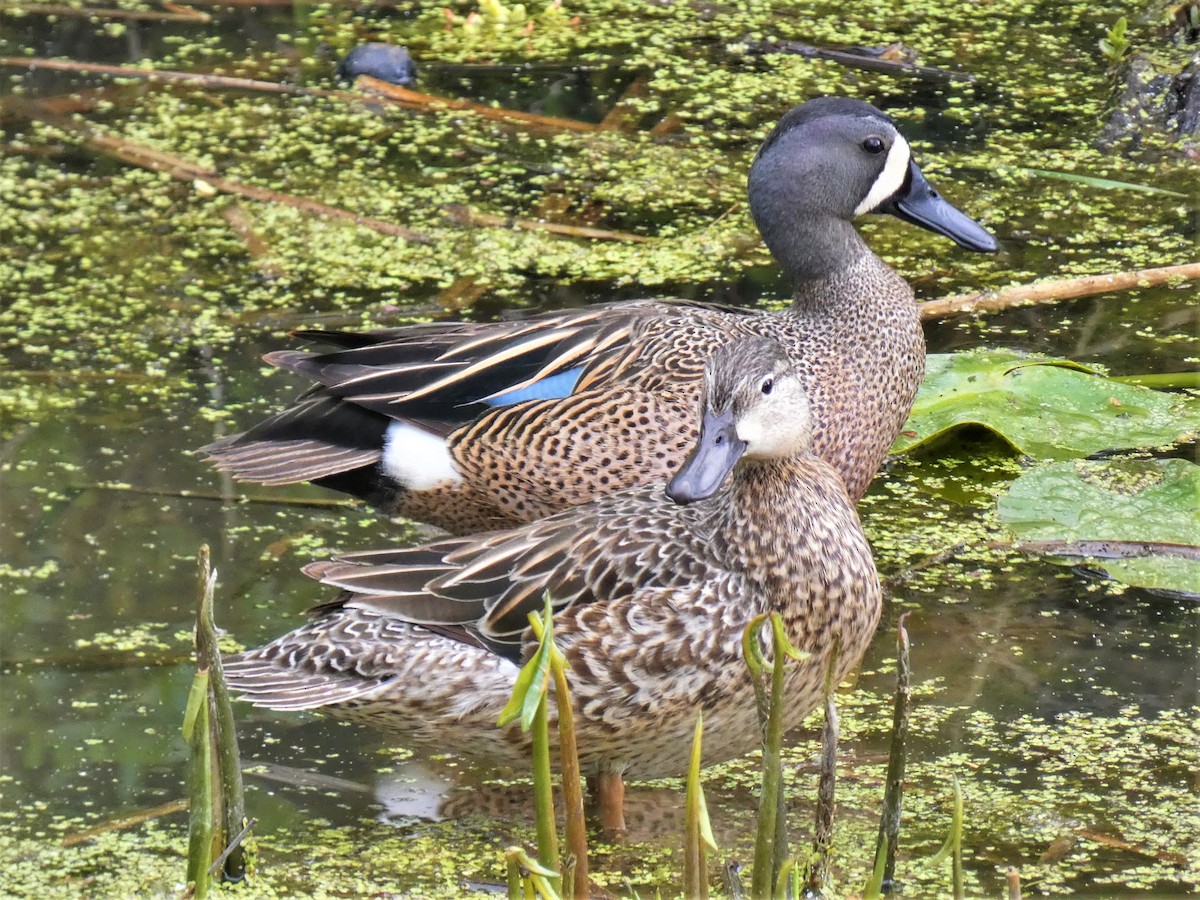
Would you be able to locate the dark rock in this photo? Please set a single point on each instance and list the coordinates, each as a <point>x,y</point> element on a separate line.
<point>1183,103</point>
<point>387,62</point>
<point>1159,88</point>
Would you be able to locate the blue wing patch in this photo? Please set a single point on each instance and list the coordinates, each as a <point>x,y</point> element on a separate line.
<point>551,388</point>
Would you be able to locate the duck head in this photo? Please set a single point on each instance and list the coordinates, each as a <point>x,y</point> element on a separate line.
<point>830,161</point>
<point>753,407</point>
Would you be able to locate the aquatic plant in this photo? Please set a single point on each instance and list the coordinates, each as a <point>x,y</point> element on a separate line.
<point>1115,43</point>
<point>216,825</point>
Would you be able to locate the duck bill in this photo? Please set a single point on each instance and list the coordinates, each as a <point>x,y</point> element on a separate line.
<point>917,202</point>
<point>711,460</point>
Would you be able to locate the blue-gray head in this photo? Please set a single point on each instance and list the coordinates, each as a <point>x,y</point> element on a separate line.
<point>830,161</point>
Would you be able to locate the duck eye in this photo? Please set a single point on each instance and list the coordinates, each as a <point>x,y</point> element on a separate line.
<point>767,385</point>
<point>873,144</point>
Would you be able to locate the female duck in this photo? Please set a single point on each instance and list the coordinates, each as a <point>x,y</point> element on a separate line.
<point>651,601</point>
<point>479,426</point>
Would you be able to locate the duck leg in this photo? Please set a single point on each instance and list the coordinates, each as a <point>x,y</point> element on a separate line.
<point>607,790</point>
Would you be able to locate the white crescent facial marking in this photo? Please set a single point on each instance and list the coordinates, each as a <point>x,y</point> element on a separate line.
<point>417,459</point>
<point>890,179</point>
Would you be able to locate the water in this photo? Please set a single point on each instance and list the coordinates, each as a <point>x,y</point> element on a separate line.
<point>1066,706</point>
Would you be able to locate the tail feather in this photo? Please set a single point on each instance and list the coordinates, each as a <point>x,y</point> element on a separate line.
<point>285,462</point>
<point>319,438</point>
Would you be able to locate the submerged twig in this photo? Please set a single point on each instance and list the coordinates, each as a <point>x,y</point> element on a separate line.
<point>895,580</point>
<point>182,14</point>
<point>182,169</point>
<point>410,99</point>
<point>199,79</point>
<point>302,503</point>
<point>403,97</point>
<point>859,60</point>
<point>233,845</point>
<point>827,784</point>
<point>1013,878</point>
<point>464,216</point>
<point>1117,843</point>
<point>1106,549</point>
<point>623,115</point>
<point>256,248</point>
<point>127,821</point>
<point>889,823</point>
<point>1056,290</point>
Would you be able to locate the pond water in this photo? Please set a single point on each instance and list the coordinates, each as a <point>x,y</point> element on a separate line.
<point>134,310</point>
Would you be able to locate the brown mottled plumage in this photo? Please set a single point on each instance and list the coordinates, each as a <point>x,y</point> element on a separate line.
<point>443,423</point>
<point>651,600</point>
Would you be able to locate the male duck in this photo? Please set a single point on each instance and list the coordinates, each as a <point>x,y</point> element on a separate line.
<point>479,426</point>
<point>651,599</point>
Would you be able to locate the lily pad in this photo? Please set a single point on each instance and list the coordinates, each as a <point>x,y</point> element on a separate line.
<point>1050,409</point>
<point>1142,517</point>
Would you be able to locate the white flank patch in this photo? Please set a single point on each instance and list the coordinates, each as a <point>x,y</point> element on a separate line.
<point>890,179</point>
<point>417,459</point>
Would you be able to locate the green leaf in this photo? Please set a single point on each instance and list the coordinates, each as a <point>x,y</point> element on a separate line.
<point>751,647</point>
<point>1052,409</point>
<point>1119,501</point>
<point>534,678</point>
<point>874,888</point>
<point>1107,184</point>
<point>197,695</point>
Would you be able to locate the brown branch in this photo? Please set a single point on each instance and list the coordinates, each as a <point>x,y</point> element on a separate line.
<point>1013,879</point>
<point>200,79</point>
<point>410,99</point>
<point>1054,291</point>
<point>123,822</point>
<point>357,4</point>
<point>1104,549</point>
<point>184,170</point>
<point>391,93</point>
<point>624,115</point>
<point>256,248</point>
<point>898,578</point>
<point>858,60</point>
<point>314,503</point>
<point>95,12</point>
<point>464,216</point>
<point>1116,843</point>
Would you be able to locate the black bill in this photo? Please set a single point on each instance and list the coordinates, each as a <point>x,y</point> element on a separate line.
<point>919,203</point>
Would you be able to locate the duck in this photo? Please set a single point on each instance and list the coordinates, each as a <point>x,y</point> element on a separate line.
<point>479,426</point>
<point>652,589</point>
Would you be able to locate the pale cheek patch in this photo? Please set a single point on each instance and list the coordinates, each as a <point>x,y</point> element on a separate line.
<point>750,430</point>
<point>890,180</point>
<point>417,459</point>
<point>778,428</point>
